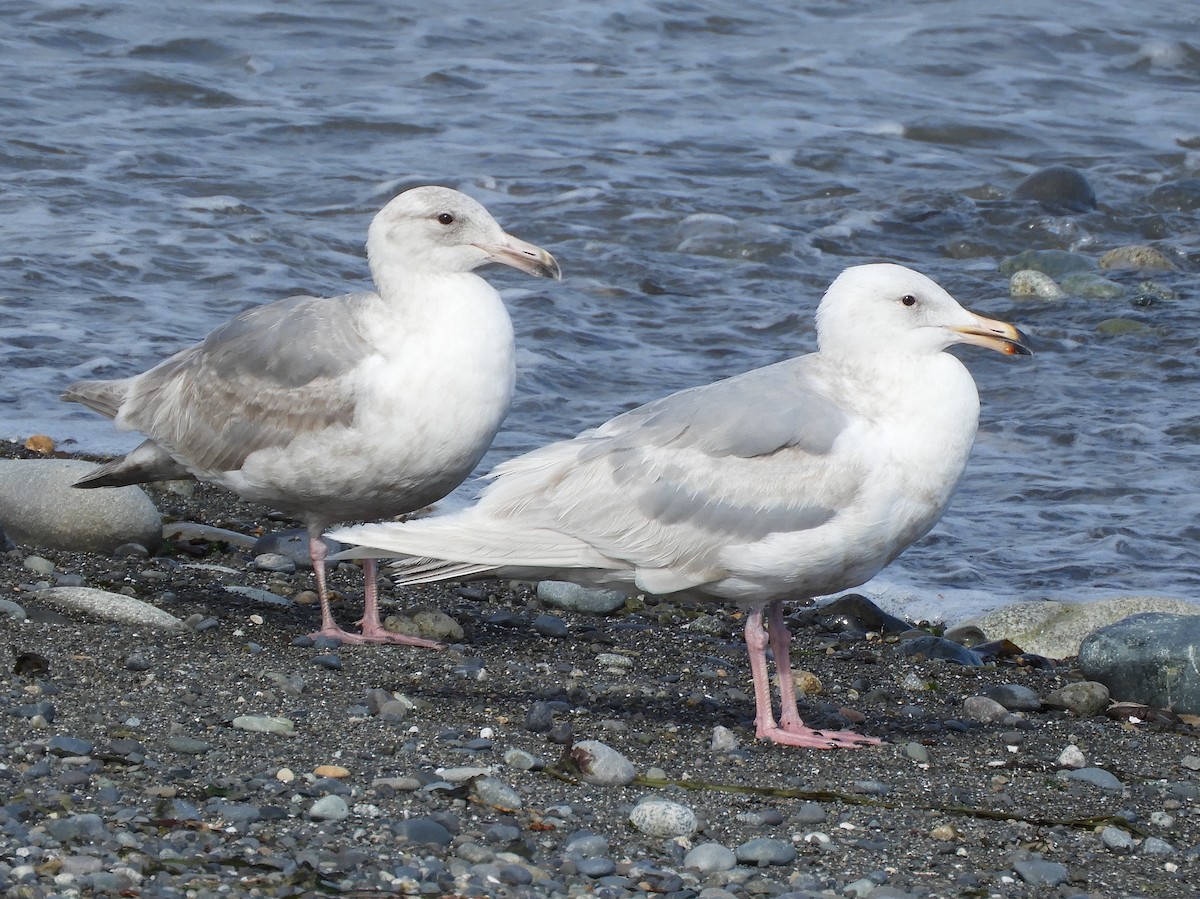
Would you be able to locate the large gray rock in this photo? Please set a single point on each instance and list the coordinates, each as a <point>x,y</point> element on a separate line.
<point>39,507</point>
<point>1152,659</point>
<point>1056,629</point>
<point>111,606</point>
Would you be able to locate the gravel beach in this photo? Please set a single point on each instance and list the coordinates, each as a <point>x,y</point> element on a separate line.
<point>229,757</point>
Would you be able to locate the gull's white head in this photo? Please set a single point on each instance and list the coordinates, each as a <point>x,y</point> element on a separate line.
<point>439,230</point>
<point>889,310</point>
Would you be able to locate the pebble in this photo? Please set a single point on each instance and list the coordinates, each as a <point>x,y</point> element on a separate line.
<point>335,771</point>
<point>265,724</point>
<point>522,760</point>
<point>429,624</point>
<point>1029,283</point>
<point>550,626</point>
<point>38,565</point>
<point>662,818</point>
<point>110,606</point>
<point>711,857</point>
<point>587,844</point>
<point>575,598</point>
<point>1097,777</point>
<point>1037,872</point>
<point>424,831</point>
<point>1054,263</point>
<point>1118,840</point>
<point>1085,699</point>
<point>40,507</point>
<point>766,851</point>
<point>1014,697</point>
<point>1092,286</point>
<point>496,793</point>
<point>1058,188</point>
<point>724,740</point>
<point>1138,258</point>
<point>329,808</point>
<point>601,765</point>
<point>1071,757</point>
<point>983,709</point>
<point>274,562</point>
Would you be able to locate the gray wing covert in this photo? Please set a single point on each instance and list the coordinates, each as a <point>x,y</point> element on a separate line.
<point>257,381</point>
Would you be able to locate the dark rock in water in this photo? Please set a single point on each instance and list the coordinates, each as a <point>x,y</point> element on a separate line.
<point>1150,658</point>
<point>1055,263</point>
<point>1058,187</point>
<point>852,612</point>
<point>931,647</point>
<point>292,544</point>
<point>1182,195</point>
<point>5,543</point>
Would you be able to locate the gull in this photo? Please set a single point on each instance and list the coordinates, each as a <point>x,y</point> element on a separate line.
<point>796,480</point>
<point>355,407</point>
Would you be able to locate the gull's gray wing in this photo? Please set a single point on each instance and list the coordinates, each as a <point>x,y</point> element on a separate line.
<point>259,380</point>
<point>663,490</point>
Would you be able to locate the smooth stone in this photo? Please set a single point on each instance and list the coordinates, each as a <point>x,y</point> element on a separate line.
<point>69,746</point>
<point>931,647</point>
<point>265,724</point>
<point>1056,629</point>
<point>1071,757</point>
<point>983,709</point>
<point>522,760</point>
<point>187,745</point>
<point>550,626</point>
<point>274,562</point>
<point>855,613</point>
<point>109,606</point>
<point>1058,187</point>
<point>188,531</point>
<point>1028,283</point>
<point>293,544</point>
<point>1117,327</point>
<point>1157,846</point>
<point>39,507</point>
<point>496,793</point>
<point>575,598</point>
<point>1149,658</point>
<point>1086,699</point>
<point>710,857</point>
<point>1181,195</point>
<point>85,826</point>
<point>723,740</point>
<point>423,831</point>
<point>1014,697</point>
<point>12,610</point>
<point>329,808</point>
<point>429,624</point>
<point>264,597</point>
<point>586,844</point>
<point>1037,872</point>
<point>766,851</point>
<point>1097,777</point>
<point>1138,258</point>
<point>1091,286</point>
<point>601,765</point>
<point>663,818</point>
<point>1117,840</point>
<point>38,565</point>
<point>1055,263</point>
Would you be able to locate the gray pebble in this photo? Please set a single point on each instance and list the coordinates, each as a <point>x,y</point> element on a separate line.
<point>496,793</point>
<point>1037,872</point>
<point>1115,839</point>
<point>595,867</point>
<point>663,818</point>
<point>916,752</point>
<point>424,831</point>
<point>69,746</point>
<point>724,740</point>
<point>38,564</point>
<point>259,595</point>
<point>328,660</point>
<point>86,826</point>
<point>1028,283</point>
<point>131,551</point>
<point>12,610</point>
<point>587,844</point>
<point>291,543</point>
<point>601,765</point>
<point>709,857</point>
<point>809,813</point>
<point>1084,698</point>
<point>265,724</point>
<point>1014,697</point>
<point>981,708</point>
<point>1096,776</point>
<point>329,808</point>
<point>766,851</point>
<point>187,745</point>
<point>550,626</point>
<point>522,760</point>
<point>574,598</point>
<point>274,562</point>
<point>110,606</point>
<point>1157,846</point>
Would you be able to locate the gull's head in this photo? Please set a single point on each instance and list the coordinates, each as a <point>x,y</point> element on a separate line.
<point>889,310</point>
<point>439,230</point>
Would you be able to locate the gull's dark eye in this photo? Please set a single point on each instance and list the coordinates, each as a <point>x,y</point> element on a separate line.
<point>908,300</point>
<point>446,218</point>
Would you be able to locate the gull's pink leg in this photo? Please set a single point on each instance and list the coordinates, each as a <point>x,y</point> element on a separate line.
<point>790,730</point>
<point>372,630</point>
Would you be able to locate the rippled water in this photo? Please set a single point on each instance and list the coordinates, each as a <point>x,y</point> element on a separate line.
<point>701,171</point>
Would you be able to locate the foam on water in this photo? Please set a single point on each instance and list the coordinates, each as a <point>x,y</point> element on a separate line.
<point>701,171</point>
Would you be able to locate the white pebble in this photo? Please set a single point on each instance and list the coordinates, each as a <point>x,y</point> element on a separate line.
<point>663,818</point>
<point>1072,757</point>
